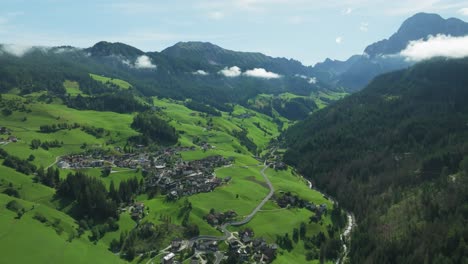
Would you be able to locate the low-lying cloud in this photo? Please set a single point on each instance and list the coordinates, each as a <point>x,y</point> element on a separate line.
<point>310,80</point>
<point>16,50</point>
<point>436,46</point>
<point>144,62</point>
<point>261,73</point>
<point>233,71</point>
<point>200,72</point>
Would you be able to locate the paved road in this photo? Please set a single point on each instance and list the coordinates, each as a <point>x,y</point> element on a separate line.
<point>244,221</point>
<point>55,162</point>
<point>261,204</point>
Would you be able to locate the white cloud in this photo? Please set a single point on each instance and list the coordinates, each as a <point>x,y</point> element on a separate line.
<point>144,62</point>
<point>436,46</point>
<point>200,72</point>
<point>127,62</point>
<point>364,27</point>
<point>64,50</point>
<point>234,71</point>
<point>261,73</point>
<point>16,50</point>
<point>216,15</point>
<point>347,11</point>
<point>311,80</point>
<point>338,40</point>
<point>463,11</point>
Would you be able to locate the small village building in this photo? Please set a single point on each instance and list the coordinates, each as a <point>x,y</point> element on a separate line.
<point>168,259</point>
<point>63,164</point>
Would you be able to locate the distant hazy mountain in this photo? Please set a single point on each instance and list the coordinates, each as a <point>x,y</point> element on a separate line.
<point>356,72</point>
<point>419,26</point>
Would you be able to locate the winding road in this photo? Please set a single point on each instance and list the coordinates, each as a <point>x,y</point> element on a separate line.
<point>227,234</point>
<point>244,221</point>
<point>55,162</point>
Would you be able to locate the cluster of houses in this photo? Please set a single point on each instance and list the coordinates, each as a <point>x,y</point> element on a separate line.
<point>10,138</point>
<point>217,218</point>
<point>165,169</point>
<point>278,165</point>
<point>289,200</point>
<point>97,159</point>
<point>251,249</point>
<point>137,211</point>
<point>245,247</point>
<point>187,178</point>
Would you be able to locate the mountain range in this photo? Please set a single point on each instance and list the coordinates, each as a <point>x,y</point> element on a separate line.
<point>216,76</point>
<point>393,151</point>
<point>384,56</point>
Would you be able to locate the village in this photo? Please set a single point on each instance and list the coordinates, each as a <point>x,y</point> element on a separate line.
<point>163,169</point>
<point>242,246</point>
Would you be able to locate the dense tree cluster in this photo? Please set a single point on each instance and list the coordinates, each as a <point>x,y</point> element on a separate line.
<point>126,191</point>
<point>90,195</point>
<point>20,165</point>
<point>49,177</point>
<point>97,132</point>
<point>295,108</point>
<point>244,140</point>
<point>154,129</point>
<point>395,154</point>
<point>201,107</point>
<point>36,143</point>
<point>120,102</point>
<point>57,127</point>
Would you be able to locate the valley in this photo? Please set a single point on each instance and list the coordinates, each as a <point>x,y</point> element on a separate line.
<point>198,154</point>
<point>247,184</point>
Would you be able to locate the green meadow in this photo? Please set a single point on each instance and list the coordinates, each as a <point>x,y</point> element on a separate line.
<point>242,193</point>
<point>119,83</point>
<point>26,240</point>
<point>73,88</point>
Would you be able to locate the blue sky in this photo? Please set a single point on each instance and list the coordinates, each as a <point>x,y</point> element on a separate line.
<point>306,30</point>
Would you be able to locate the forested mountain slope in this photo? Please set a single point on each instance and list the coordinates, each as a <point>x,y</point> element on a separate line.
<point>396,154</point>
<point>194,70</point>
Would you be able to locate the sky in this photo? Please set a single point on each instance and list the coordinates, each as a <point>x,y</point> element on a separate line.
<point>306,30</point>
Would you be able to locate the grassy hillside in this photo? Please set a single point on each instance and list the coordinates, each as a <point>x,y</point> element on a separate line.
<point>222,133</point>
<point>53,241</point>
<point>111,81</point>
